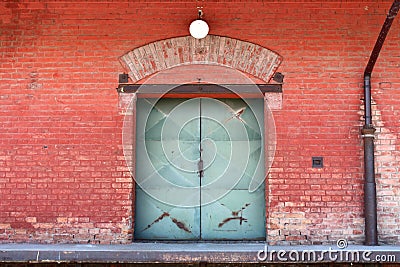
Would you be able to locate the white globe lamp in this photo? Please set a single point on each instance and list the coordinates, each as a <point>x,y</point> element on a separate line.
<point>199,28</point>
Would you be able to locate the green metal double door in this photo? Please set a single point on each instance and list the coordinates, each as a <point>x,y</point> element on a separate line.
<point>195,160</point>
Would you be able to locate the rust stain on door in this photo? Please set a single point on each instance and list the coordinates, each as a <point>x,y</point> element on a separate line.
<point>235,216</point>
<point>178,223</point>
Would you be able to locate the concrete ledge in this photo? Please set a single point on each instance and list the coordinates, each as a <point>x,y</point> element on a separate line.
<point>195,252</point>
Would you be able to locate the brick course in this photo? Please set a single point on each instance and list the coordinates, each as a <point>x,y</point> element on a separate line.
<point>63,176</point>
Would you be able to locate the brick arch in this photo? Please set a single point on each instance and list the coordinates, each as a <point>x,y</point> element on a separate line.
<point>247,57</point>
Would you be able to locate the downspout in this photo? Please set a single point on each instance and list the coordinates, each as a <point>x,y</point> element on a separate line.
<point>370,210</point>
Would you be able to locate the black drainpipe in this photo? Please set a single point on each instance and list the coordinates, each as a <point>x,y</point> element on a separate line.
<point>371,232</point>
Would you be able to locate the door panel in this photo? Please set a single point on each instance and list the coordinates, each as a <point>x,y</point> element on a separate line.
<point>157,221</point>
<point>226,136</point>
<point>239,214</point>
<point>167,157</point>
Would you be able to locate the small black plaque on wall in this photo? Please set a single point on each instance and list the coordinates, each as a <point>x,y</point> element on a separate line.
<point>317,162</point>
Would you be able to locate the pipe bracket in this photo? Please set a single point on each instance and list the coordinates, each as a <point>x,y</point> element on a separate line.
<point>367,136</point>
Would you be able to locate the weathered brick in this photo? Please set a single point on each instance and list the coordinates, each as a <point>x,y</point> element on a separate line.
<point>232,53</point>
<point>61,157</point>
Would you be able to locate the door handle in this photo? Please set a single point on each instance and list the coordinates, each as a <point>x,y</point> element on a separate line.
<point>200,168</point>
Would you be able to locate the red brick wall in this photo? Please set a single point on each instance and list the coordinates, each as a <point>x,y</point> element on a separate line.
<point>386,118</point>
<point>63,177</point>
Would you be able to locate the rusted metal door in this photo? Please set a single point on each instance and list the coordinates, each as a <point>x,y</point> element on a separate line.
<point>213,148</point>
<point>167,152</point>
<point>232,129</point>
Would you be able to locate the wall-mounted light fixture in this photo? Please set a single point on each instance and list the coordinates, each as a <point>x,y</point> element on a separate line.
<point>199,28</point>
